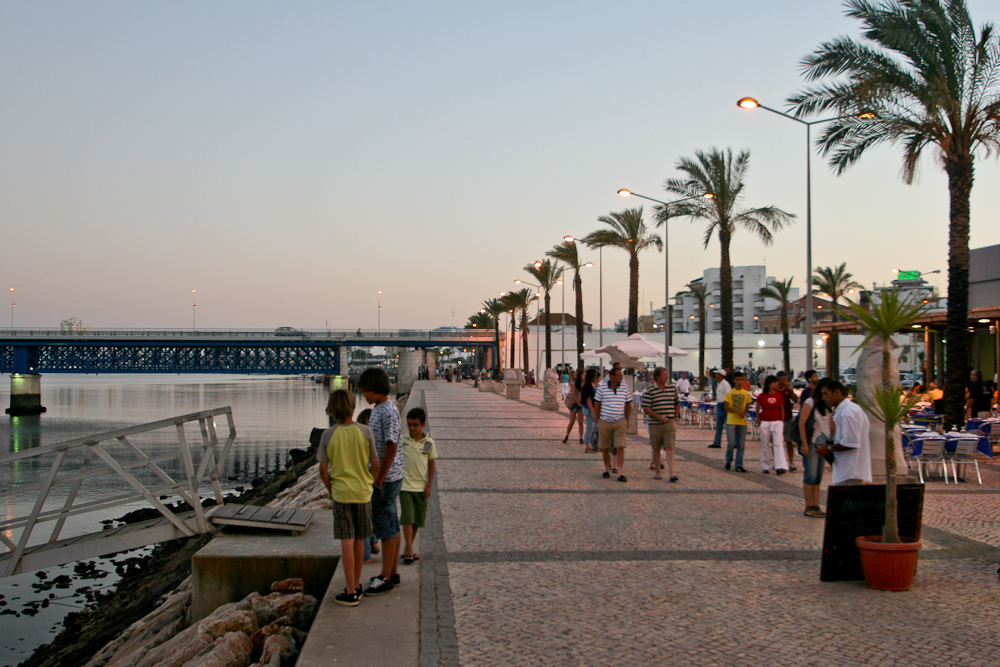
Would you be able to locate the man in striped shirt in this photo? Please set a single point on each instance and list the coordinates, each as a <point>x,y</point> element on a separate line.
<point>613,405</point>
<point>661,405</point>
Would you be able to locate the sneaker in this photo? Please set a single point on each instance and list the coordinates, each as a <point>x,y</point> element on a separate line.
<point>740,469</point>
<point>715,446</point>
<point>379,586</point>
<point>674,479</point>
<point>347,599</point>
<point>394,580</point>
<point>728,466</point>
<point>779,471</point>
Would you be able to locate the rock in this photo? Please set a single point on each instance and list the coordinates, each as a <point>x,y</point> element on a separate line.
<point>279,649</point>
<point>299,607</point>
<point>233,649</point>
<point>176,652</point>
<point>258,638</point>
<point>289,586</point>
<point>233,621</point>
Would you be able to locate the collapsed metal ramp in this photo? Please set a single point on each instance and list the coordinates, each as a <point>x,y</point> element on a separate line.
<point>105,472</point>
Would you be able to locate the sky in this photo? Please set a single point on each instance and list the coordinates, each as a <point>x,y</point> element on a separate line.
<point>290,160</point>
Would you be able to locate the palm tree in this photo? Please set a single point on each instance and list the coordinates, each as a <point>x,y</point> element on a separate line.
<point>921,75</point>
<point>779,291</point>
<point>722,175</point>
<point>629,233</point>
<point>520,301</point>
<point>546,273</point>
<point>567,253</point>
<point>481,320</point>
<point>698,290</point>
<point>889,404</point>
<point>494,308</point>
<point>834,282</point>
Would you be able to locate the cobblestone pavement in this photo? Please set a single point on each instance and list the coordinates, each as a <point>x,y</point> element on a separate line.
<point>531,558</point>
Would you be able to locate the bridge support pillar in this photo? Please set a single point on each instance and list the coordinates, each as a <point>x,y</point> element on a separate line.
<point>25,394</point>
<point>409,362</point>
<point>430,360</point>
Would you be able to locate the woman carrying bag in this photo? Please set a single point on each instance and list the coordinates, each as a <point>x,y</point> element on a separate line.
<point>815,424</point>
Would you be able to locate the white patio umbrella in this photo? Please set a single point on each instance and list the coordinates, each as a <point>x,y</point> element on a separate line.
<point>638,346</point>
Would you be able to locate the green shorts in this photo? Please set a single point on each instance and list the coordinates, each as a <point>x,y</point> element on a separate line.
<point>413,508</point>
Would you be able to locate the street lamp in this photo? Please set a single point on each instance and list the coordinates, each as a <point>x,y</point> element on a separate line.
<point>12,304</point>
<point>379,331</point>
<point>562,323</point>
<point>571,239</point>
<point>751,103</point>
<point>194,309</point>
<point>538,319</point>
<point>667,323</point>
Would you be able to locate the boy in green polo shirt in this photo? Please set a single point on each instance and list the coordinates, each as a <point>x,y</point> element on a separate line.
<point>419,453</point>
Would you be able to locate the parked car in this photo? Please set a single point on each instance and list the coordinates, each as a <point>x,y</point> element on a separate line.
<point>799,383</point>
<point>909,380</point>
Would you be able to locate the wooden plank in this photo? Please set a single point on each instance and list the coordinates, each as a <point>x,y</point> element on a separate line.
<point>257,524</point>
<point>263,514</point>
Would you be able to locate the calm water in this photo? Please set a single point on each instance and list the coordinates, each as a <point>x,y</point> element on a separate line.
<point>272,415</point>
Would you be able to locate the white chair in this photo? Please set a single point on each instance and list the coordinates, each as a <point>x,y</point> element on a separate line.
<point>965,453</point>
<point>931,451</point>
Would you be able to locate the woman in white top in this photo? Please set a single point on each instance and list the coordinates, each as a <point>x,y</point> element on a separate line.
<point>812,462</point>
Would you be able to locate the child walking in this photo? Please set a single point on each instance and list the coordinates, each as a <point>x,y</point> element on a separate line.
<point>419,453</point>
<point>346,450</point>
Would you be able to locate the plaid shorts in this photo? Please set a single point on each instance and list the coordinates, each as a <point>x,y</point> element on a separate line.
<point>352,521</point>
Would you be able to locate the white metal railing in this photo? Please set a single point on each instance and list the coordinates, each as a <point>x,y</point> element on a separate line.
<point>199,461</point>
<point>281,336</point>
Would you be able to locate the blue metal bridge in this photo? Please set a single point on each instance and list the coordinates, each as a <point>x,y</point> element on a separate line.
<point>281,351</point>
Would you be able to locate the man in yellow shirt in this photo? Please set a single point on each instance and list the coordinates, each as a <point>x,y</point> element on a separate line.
<point>737,402</point>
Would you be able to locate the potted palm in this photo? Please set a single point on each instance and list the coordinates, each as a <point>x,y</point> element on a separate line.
<point>889,561</point>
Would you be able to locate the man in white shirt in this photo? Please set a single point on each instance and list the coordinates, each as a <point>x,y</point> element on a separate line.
<point>721,390</point>
<point>852,458</point>
<point>684,385</point>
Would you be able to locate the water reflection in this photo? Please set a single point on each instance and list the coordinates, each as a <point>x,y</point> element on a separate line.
<point>25,432</point>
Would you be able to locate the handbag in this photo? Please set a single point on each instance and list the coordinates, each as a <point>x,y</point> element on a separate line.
<point>568,400</point>
<point>821,439</point>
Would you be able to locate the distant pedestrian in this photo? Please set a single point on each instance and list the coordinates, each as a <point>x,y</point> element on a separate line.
<point>852,459</point>
<point>573,402</point>
<point>345,454</point>
<point>613,405</point>
<point>661,404</point>
<point>815,430</point>
<point>785,386</point>
<point>771,418</point>
<point>721,389</point>
<point>419,454</point>
<point>980,401</point>
<point>684,385</point>
<point>385,425</point>
<point>737,403</point>
<point>587,391</point>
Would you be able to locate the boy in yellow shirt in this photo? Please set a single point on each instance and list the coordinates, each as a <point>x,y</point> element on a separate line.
<point>737,404</point>
<point>346,450</point>
<point>419,453</point>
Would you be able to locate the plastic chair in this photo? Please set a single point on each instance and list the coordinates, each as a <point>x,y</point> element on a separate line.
<point>931,451</point>
<point>965,453</point>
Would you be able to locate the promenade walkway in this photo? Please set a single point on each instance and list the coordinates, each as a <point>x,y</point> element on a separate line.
<point>531,558</point>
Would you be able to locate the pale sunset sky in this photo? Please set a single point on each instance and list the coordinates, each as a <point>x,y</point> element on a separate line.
<point>288,160</point>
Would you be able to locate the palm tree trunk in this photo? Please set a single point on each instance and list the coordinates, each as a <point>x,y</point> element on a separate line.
<point>578,288</point>
<point>633,294</point>
<point>701,345</point>
<point>524,340</point>
<point>726,287</point>
<point>833,356</point>
<point>548,333</point>
<point>960,177</point>
<point>785,342</point>
<point>890,530</point>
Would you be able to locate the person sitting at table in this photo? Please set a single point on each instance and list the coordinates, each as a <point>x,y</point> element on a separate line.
<point>933,393</point>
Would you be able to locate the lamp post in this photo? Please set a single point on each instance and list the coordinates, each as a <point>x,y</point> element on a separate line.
<point>194,310</point>
<point>12,304</point>
<point>667,324</point>
<point>751,103</point>
<point>576,285</point>
<point>562,324</point>
<point>379,330</point>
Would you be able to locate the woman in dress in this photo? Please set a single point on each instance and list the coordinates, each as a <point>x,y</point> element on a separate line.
<point>812,462</point>
<point>771,418</point>
<point>575,405</point>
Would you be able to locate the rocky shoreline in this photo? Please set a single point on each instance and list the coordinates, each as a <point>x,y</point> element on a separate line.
<point>161,576</point>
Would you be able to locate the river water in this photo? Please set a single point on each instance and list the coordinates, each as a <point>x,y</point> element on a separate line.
<point>273,414</point>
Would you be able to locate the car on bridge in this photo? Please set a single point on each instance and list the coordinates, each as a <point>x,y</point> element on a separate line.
<point>289,331</point>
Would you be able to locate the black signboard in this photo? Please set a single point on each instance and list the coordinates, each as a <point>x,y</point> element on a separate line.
<point>860,510</point>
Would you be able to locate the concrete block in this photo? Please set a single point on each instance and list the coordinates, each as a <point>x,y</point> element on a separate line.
<point>234,564</point>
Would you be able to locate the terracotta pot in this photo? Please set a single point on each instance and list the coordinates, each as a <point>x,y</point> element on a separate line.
<point>888,567</point>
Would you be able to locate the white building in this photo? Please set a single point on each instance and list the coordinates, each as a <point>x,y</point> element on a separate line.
<point>747,302</point>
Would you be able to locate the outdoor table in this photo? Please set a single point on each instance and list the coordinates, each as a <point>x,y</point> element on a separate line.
<point>984,425</point>
<point>951,440</point>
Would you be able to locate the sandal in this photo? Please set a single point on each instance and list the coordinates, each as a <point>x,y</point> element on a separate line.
<point>409,560</point>
<point>657,476</point>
